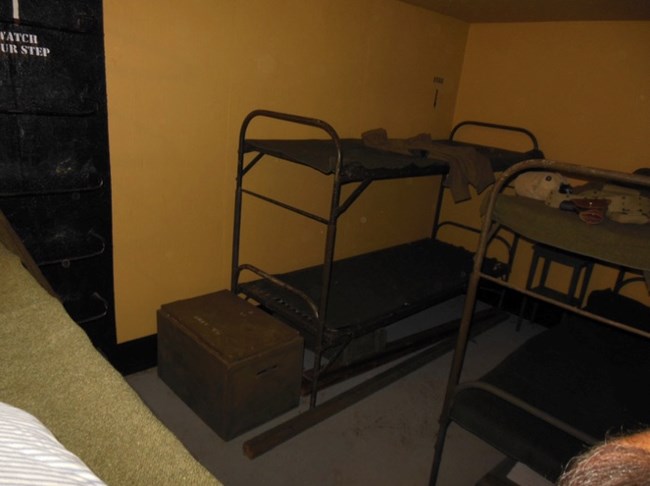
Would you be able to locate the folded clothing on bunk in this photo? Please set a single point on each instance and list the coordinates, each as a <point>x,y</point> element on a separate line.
<point>467,166</point>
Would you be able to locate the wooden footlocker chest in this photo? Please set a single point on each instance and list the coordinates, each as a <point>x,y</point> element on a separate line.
<point>233,364</point>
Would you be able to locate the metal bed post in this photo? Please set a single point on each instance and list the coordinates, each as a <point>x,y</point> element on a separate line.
<point>234,274</point>
<point>497,126</point>
<point>241,171</point>
<point>327,266</point>
<point>458,358</point>
<point>331,222</point>
<point>463,332</point>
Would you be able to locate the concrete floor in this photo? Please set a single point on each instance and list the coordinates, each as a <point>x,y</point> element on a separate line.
<point>386,439</point>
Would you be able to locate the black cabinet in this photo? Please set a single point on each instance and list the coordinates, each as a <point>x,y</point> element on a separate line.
<point>54,161</point>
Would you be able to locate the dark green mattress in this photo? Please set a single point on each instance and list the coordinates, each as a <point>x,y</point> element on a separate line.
<point>619,244</point>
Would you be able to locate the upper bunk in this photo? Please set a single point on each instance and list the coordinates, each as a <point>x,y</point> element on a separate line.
<point>355,160</point>
<point>610,242</point>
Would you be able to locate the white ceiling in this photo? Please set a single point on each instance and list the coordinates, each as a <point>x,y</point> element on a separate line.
<point>475,11</point>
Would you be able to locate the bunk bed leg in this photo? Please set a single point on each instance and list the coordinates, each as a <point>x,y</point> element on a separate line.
<point>316,367</point>
<point>234,275</point>
<point>437,452</point>
<point>457,362</point>
<point>326,277</point>
<point>461,342</point>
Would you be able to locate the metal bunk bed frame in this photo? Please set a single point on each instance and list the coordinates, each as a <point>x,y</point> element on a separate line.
<point>337,207</point>
<point>317,308</point>
<point>489,228</point>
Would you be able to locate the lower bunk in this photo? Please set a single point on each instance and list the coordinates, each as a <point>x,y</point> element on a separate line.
<point>367,293</point>
<point>561,392</point>
<point>371,290</point>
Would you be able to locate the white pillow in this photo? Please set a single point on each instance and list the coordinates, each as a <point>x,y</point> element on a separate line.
<point>31,455</point>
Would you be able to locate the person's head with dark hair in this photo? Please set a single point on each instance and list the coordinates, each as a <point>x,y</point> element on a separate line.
<point>620,461</point>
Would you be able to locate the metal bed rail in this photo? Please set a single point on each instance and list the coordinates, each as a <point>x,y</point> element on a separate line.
<point>330,221</point>
<point>496,126</point>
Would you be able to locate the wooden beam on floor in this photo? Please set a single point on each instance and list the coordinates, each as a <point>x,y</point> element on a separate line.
<point>275,436</point>
<point>394,350</point>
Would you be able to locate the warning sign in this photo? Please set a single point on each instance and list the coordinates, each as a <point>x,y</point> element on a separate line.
<point>21,44</point>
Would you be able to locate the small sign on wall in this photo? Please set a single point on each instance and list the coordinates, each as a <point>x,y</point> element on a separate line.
<point>50,56</point>
<point>21,43</point>
<point>48,71</point>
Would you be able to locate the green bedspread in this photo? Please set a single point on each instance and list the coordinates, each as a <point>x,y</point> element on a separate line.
<point>619,244</point>
<point>50,369</point>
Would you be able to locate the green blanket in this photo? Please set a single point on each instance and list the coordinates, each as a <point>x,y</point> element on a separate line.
<point>619,244</point>
<point>51,370</point>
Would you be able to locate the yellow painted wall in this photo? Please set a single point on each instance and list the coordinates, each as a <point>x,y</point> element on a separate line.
<point>582,87</point>
<point>181,76</point>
